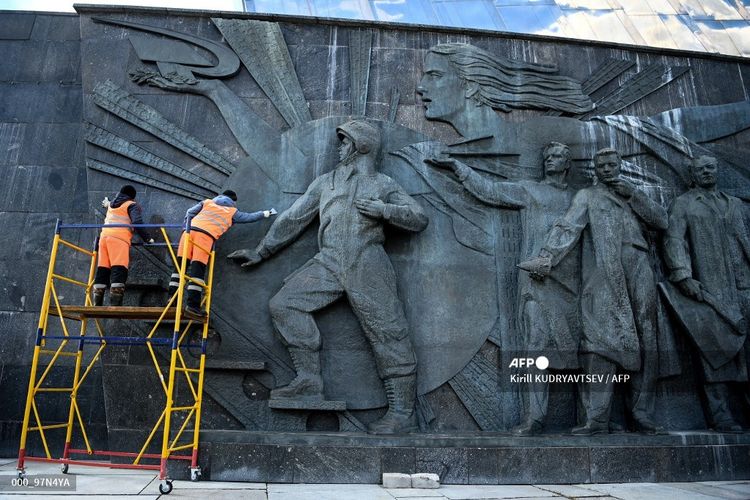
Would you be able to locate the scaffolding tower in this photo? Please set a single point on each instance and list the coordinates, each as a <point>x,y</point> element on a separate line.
<point>50,349</point>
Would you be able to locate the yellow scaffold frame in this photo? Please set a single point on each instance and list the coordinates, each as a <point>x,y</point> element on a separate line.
<point>45,346</point>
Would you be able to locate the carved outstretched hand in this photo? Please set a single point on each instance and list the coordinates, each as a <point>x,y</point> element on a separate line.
<point>446,162</point>
<point>370,208</point>
<point>538,267</point>
<point>246,257</point>
<point>442,161</point>
<point>691,288</point>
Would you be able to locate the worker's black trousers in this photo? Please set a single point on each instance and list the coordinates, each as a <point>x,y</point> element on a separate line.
<point>197,271</point>
<point>117,275</point>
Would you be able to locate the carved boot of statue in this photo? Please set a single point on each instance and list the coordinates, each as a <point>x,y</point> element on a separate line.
<point>536,406</point>
<point>308,383</point>
<point>528,427</point>
<point>401,415</point>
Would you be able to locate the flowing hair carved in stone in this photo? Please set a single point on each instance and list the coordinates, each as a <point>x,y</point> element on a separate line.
<point>506,84</point>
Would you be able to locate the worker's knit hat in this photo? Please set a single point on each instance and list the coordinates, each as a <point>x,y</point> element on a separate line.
<point>128,190</point>
<point>230,194</point>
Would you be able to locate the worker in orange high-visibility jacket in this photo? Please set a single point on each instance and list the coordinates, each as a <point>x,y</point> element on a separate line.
<point>207,221</point>
<point>114,246</point>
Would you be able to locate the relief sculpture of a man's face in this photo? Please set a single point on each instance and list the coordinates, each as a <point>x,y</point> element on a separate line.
<point>607,167</point>
<point>704,170</point>
<point>346,148</point>
<point>442,90</point>
<point>555,160</point>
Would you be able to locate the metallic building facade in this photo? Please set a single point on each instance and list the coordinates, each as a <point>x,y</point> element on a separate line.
<point>716,26</point>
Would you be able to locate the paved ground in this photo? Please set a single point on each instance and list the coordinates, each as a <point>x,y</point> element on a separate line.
<point>112,484</point>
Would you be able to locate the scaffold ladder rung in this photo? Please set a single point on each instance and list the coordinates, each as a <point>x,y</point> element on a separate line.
<point>47,427</point>
<point>188,370</point>
<point>61,353</point>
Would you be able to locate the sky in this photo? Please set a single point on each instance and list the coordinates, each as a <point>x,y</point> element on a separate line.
<point>67,5</point>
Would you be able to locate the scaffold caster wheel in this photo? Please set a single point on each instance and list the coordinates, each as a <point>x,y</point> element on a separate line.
<point>21,474</point>
<point>195,474</point>
<point>165,487</point>
<point>64,468</point>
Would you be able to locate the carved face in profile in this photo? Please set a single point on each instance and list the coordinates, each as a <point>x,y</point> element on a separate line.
<point>703,171</point>
<point>346,148</point>
<point>443,92</point>
<point>555,160</point>
<point>607,167</point>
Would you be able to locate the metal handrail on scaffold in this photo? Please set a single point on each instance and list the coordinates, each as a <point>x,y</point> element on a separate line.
<point>52,306</point>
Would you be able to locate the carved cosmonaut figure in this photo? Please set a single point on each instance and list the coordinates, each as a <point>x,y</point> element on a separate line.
<point>618,291</point>
<point>353,201</point>
<point>547,311</point>
<point>707,252</point>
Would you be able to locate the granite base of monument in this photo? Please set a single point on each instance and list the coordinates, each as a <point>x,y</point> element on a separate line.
<point>465,458</point>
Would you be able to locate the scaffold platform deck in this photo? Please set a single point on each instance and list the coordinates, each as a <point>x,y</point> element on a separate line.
<point>124,312</point>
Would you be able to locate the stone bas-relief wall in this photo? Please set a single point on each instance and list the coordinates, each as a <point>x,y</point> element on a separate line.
<point>186,105</point>
<point>253,106</point>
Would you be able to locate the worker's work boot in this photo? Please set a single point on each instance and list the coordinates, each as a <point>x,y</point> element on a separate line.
<point>97,295</point>
<point>401,416</point>
<point>308,384</point>
<point>116,294</point>
<point>193,301</point>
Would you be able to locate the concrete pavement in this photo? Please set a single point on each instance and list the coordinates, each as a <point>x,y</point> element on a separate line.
<point>114,484</point>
